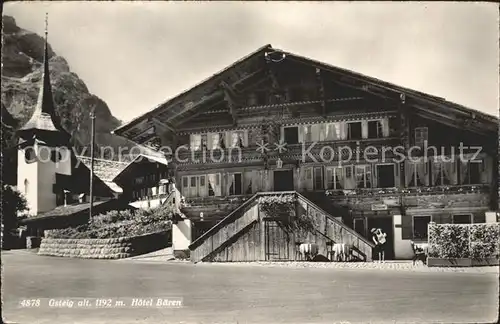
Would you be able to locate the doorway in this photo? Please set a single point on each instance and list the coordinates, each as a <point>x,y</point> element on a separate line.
<point>283,180</point>
<point>385,224</point>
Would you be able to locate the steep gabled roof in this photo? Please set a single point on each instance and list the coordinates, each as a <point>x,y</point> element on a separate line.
<point>44,118</point>
<point>105,170</point>
<point>161,106</point>
<point>139,158</point>
<point>380,86</point>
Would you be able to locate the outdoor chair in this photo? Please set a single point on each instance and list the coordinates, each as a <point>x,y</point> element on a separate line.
<point>418,254</point>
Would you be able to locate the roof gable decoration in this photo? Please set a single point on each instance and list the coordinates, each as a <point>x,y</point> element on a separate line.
<point>417,100</point>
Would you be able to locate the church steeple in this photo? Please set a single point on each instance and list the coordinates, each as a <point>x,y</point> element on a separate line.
<point>44,124</point>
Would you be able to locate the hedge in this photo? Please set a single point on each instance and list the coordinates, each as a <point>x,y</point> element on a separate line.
<point>116,224</point>
<point>455,241</point>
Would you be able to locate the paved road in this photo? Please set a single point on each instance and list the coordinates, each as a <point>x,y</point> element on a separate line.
<point>257,294</point>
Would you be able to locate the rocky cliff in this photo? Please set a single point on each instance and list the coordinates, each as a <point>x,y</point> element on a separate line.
<point>22,57</point>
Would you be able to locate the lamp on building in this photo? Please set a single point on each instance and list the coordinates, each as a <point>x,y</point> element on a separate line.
<point>201,216</point>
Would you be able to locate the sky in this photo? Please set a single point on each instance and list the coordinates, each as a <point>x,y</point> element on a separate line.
<point>135,55</point>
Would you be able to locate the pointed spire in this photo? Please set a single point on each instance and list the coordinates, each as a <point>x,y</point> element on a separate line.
<point>44,117</point>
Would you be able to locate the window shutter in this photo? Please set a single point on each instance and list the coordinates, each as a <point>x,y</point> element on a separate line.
<point>301,134</point>
<point>406,227</point>
<point>330,184</point>
<point>245,138</point>
<point>364,129</point>
<point>385,127</point>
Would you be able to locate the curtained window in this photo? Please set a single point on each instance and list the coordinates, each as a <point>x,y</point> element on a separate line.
<point>214,185</point>
<point>443,171</point>
<point>334,179</point>
<point>416,173</point>
<point>363,176</point>
<point>238,139</point>
<point>470,172</point>
<point>195,142</point>
<point>307,134</point>
<point>213,141</point>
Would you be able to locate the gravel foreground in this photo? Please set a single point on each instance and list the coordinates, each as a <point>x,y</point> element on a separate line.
<point>404,266</point>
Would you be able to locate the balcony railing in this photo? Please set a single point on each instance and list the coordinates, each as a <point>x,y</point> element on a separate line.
<point>437,190</point>
<point>258,151</point>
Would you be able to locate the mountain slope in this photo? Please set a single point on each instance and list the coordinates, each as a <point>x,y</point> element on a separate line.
<point>22,55</point>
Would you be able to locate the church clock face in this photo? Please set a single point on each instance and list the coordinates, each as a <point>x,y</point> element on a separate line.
<point>30,155</point>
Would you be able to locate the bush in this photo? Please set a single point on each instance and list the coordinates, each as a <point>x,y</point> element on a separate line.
<point>115,224</point>
<point>453,241</point>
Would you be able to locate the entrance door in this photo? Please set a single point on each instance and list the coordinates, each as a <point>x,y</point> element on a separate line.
<point>283,180</point>
<point>384,223</point>
<point>277,242</point>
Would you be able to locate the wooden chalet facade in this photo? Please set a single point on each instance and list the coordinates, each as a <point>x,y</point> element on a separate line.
<point>225,142</point>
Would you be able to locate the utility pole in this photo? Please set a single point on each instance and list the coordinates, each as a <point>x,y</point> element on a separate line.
<point>92,144</point>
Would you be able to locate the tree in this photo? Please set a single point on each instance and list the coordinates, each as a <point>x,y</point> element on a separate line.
<point>12,203</point>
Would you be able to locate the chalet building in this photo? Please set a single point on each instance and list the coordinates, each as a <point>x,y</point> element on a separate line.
<point>145,181</point>
<point>356,151</point>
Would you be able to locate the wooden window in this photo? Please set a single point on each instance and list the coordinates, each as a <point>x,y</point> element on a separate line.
<point>318,178</point>
<point>213,141</point>
<point>385,176</point>
<point>443,171</point>
<point>214,187</point>
<point>363,176</point>
<point>307,131</point>
<point>334,179</point>
<point>421,135</point>
<point>375,129</point>
<point>417,173</point>
<point>354,130</point>
<point>291,135</point>
<point>420,227</point>
<point>462,219</point>
<point>195,142</point>
<point>330,132</point>
<point>238,138</point>
<point>471,172</point>
<point>235,184</point>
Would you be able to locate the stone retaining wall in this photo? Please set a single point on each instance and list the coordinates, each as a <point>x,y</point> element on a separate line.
<point>114,248</point>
